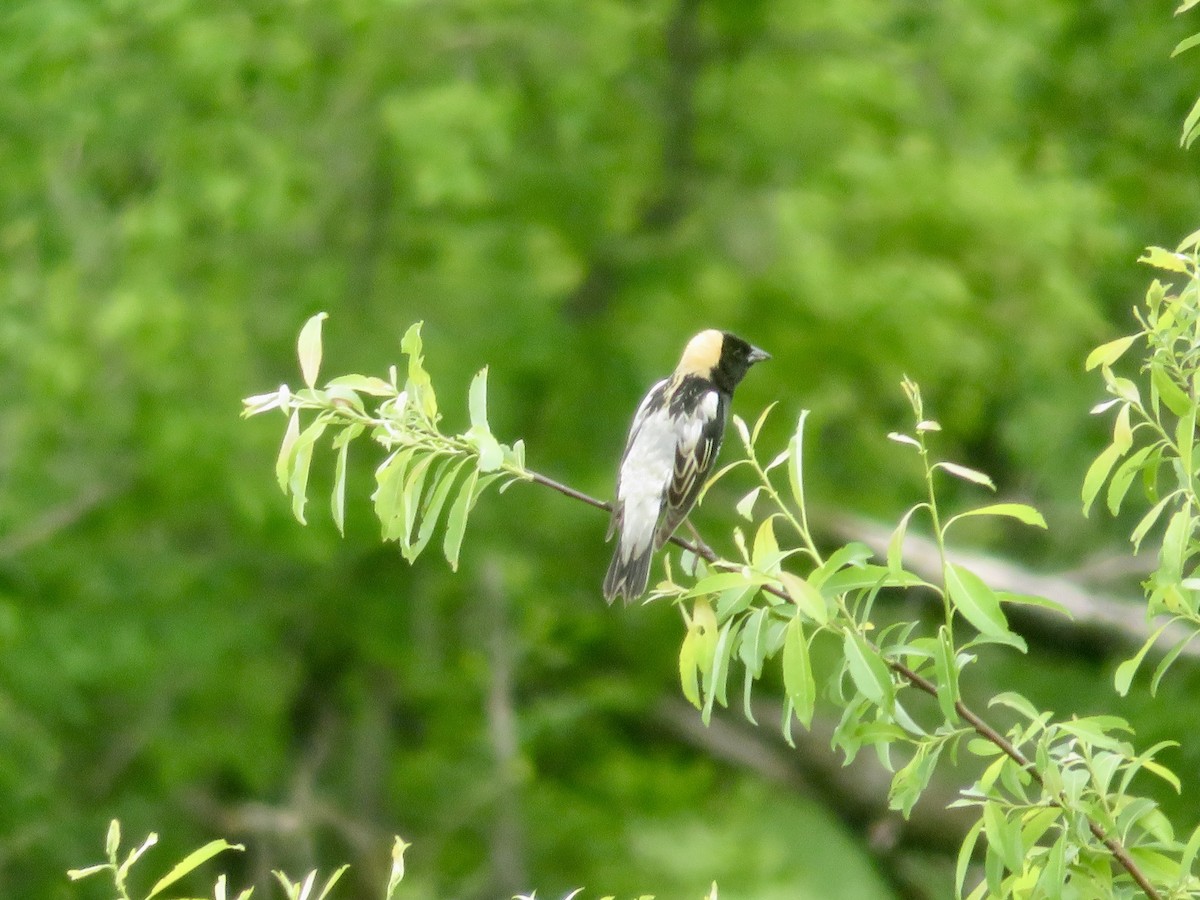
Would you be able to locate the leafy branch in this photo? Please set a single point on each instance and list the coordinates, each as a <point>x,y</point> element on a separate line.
<point>1054,799</point>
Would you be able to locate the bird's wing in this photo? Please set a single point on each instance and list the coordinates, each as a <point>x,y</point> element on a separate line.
<point>655,399</point>
<point>700,430</point>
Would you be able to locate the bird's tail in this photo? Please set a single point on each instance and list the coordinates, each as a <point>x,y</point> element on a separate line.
<point>628,577</point>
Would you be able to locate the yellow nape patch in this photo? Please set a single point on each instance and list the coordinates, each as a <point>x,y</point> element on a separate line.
<point>702,353</point>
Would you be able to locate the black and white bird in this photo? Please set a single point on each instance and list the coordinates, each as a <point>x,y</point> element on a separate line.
<point>672,446</point>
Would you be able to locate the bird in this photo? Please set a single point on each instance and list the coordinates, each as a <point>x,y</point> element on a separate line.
<point>672,445</point>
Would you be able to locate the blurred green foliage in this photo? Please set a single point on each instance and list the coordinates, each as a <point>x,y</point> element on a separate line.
<point>566,191</point>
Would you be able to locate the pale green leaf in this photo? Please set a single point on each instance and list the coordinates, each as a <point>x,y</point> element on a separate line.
<point>1168,390</point>
<point>979,605</point>
<point>688,672</point>
<point>797,673</point>
<point>338,499</point>
<point>308,347</point>
<point>1107,354</point>
<point>192,861</point>
<point>1157,256</point>
<point>283,463</point>
<point>432,507</point>
<point>1126,670</point>
<point>333,879</point>
<point>807,598</point>
<point>1097,473</point>
<point>1019,511</point>
<point>477,401</point>
<point>796,461</point>
<point>868,671</point>
<point>366,384</point>
<point>1122,478</point>
<point>966,474</point>
<point>456,520</point>
<point>397,873</point>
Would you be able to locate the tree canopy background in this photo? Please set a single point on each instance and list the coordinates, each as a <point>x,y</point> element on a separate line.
<point>567,191</point>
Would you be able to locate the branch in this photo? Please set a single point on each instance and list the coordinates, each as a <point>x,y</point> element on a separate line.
<point>976,721</point>
<point>1089,609</point>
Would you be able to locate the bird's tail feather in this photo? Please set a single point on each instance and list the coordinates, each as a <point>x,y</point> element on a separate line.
<point>628,577</point>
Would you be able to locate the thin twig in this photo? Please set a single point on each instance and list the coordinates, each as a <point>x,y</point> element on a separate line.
<point>977,722</point>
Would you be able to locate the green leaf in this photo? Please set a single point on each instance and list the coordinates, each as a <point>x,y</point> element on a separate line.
<point>1186,44</point>
<point>1165,259</point>
<point>688,673</point>
<point>308,348</point>
<point>432,508</point>
<point>752,649</point>
<point>1107,354</point>
<point>1123,477</point>
<point>745,506</point>
<point>389,496</point>
<point>365,384</point>
<point>419,384</point>
<point>397,873</point>
<point>1190,127</point>
<point>414,491</point>
<point>477,401</point>
<point>807,598</point>
<point>333,879</point>
<point>718,673</point>
<point>854,553</point>
<point>868,671</point>
<point>965,851</point>
<point>966,474</point>
<point>283,463</point>
<point>1168,660</point>
<point>301,460</point>
<point>1126,670</point>
<point>337,501</point>
<point>895,549</point>
<point>192,861</point>
<point>1147,522</point>
<point>979,605</point>
<point>796,461</point>
<point>112,841</point>
<point>456,520</point>
<point>1174,545</point>
<point>1171,393</point>
<point>946,668</point>
<point>797,673</point>
<point>1003,835</point>
<point>765,556</point>
<point>1019,511</point>
<point>1097,473</point>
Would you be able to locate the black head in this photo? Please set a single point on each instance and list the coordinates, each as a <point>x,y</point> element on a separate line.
<point>720,356</point>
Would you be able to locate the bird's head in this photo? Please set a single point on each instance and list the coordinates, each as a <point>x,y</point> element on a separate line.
<point>721,357</point>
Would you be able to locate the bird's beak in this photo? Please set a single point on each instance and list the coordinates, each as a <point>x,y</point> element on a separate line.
<point>757,355</point>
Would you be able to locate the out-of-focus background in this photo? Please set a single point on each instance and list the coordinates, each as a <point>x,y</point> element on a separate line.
<point>565,191</point>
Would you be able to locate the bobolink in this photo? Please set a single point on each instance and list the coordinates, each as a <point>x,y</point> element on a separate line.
<point>672,445</point>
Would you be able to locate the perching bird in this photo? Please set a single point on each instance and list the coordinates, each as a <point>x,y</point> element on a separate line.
<point>672,445</point>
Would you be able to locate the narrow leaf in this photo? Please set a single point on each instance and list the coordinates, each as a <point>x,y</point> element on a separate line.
<point>979,605</point>
<point>192,861</point>
<point>338,498</point>
<point>796,461</point>
<point>806,597</point>
<point>1107,354</point>
<point>1126,670</point>
<point>283,463</point>
<point>308,348</point>
<point>1097,473</point>
<point>798,674</point>
<point>477,401</point>
<point>966,474</point>
<point>869,673</point>
<point>456,520</point>
<point>1019,511</point>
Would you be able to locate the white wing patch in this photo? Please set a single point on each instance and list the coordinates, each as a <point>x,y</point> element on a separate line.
<point>649,467</point>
